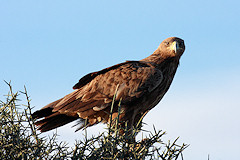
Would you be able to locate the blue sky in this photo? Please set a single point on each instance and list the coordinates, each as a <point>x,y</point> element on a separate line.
<point>49,46</point>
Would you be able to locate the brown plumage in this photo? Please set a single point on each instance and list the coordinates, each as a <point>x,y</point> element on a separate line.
<point>140,85</point>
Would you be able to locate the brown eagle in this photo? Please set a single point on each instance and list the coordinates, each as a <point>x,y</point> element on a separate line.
<point>139,85</point>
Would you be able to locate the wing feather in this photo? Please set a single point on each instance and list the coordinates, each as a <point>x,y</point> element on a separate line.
<point>134,79</point>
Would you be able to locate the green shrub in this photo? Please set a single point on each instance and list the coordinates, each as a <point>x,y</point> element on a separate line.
<point>19,139</point>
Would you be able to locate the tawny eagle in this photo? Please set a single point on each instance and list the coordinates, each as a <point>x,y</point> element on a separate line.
<point>139,85</point>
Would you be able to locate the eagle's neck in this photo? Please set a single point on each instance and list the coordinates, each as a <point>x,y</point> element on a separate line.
<point>159,59</point>
<point>155,58</point>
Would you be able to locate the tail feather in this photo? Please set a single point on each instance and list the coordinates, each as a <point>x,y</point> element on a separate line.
<point>54,115</point>
<point>42,113</point>
<point>53,122</point>
<point>81,124</point>
<point>45,111</point>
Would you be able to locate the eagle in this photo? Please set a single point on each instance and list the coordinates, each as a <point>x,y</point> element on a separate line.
<point>137,85</point>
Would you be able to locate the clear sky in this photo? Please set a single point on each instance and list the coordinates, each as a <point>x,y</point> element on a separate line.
<point>49,45</point>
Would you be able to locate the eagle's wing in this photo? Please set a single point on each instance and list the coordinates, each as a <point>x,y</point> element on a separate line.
<point>131,80</point>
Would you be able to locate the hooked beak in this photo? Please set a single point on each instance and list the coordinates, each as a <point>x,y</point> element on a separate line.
<point>175,46</point>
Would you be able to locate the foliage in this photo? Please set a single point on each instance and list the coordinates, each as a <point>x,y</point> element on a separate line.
<point>19,139</point>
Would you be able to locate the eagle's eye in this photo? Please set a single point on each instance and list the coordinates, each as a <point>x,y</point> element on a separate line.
<point>166,43</point>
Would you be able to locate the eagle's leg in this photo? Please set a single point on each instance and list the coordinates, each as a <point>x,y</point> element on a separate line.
<point>130,127</point>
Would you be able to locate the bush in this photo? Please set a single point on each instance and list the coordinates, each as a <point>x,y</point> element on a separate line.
<point>20,139</point>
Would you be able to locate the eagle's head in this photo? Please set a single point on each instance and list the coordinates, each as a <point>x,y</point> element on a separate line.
<point>172,47</point>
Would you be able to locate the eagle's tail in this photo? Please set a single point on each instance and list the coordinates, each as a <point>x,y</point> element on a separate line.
<point>51,119</point>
